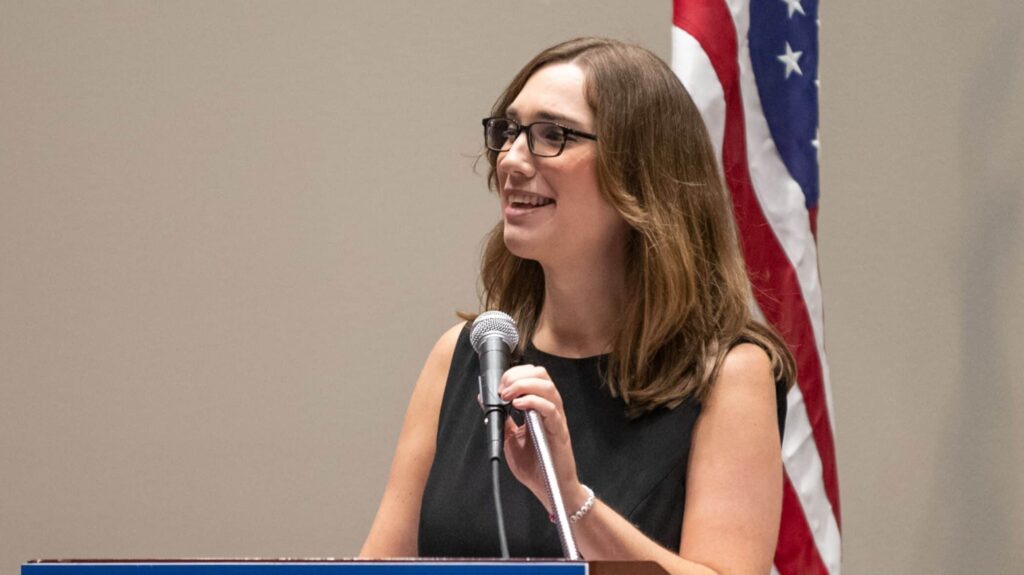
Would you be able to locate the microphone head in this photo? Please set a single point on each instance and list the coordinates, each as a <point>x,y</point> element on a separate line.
<point>494,323</point>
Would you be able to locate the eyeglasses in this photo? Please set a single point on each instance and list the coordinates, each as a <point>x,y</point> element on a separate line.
<point>545,139</point>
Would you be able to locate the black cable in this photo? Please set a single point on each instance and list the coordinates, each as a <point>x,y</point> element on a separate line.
<point>496,482</point>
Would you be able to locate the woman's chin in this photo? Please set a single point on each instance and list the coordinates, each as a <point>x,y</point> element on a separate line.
<point>522,247</point>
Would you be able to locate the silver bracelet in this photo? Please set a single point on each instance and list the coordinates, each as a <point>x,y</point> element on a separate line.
<point>583,510</point>
<point>587,506</point>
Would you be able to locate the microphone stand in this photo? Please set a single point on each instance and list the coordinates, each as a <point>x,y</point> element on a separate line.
<point>540,444</point>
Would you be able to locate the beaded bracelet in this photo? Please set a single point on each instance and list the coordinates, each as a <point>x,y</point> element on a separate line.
<point>583,510</point>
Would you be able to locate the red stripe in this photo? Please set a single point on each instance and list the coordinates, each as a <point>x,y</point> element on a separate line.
<point>775,283</point>
<point>793,554</point>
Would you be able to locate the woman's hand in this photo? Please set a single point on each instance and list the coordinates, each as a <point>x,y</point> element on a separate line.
<point>529,387</point>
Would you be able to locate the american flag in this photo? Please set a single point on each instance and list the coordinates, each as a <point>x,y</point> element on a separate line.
<point>751,66</point>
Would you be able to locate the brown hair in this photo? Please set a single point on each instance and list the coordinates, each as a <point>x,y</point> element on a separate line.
<point>688,294</point>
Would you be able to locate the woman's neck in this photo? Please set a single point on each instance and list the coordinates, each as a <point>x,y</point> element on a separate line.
<point>582,308</point>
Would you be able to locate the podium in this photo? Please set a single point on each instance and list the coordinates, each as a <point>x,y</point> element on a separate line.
<point>336,567</point>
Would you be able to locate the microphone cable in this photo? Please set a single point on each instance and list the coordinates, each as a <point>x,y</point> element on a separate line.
<point>496,483</point>
<point>493,337</point>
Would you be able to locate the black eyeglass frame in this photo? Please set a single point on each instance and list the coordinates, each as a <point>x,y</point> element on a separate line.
<point>566,132</point>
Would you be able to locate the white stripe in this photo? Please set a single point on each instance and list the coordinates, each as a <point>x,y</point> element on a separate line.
<point>787,215</point>
<point>694,68</point>
<point>803,465</point>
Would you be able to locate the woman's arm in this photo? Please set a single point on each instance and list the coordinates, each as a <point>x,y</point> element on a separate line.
<point>734,480</point>
<point>734,485</point>
<point>395,529</point>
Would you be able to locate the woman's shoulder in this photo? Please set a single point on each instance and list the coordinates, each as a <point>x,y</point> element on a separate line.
<point>430,385</point>
<point>745,374</point>
<point>444,349</point>
<point>748,380</point>
<point>747,357</point>
<point>446,343</point>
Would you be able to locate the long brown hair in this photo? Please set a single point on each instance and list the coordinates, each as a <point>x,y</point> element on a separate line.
<point>688,294</point>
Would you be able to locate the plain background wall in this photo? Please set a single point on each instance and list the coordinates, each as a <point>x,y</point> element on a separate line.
<point>230,232</point>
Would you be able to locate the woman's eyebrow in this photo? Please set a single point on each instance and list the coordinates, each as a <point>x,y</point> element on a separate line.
<point>555,117</point>
<point>545,116</point>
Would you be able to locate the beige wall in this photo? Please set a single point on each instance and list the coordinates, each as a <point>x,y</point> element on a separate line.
<point>230,232</point>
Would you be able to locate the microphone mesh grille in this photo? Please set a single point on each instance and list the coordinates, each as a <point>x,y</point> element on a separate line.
<point>494,322</point>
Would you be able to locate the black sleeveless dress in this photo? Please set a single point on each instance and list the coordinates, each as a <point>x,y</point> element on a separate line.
<point>637,467</point>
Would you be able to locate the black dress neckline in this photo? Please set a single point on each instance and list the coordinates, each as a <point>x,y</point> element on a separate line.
<point>532,349</point>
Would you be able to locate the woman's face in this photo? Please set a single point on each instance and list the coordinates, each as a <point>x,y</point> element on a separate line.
<point>552,207</point>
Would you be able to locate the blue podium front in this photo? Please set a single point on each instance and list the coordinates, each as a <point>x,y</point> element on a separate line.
<point>340,567</point>
<point>333,567</point>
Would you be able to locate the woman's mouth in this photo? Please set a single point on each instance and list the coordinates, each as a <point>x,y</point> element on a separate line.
<point>522,203</point>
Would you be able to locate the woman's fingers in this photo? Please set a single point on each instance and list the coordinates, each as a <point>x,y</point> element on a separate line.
<point>529,387</point>
<point>526,380</point>
<point>524,370</point>
<point>515,434</point>
<point>541,405</point>
<point>550,416</point>
<point>524,373</point>
<point>532,386</point>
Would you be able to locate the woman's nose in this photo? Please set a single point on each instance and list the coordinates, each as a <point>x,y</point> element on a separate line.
<point>518,158</point>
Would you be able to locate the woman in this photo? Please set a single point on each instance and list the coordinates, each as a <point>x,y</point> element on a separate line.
<point>617,256</point>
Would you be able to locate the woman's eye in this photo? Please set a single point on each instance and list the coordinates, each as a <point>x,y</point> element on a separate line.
<point>552,134</point>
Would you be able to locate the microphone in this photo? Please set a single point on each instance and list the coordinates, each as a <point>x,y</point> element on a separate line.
<point>494,336</point>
